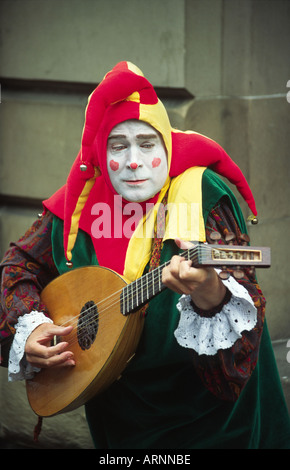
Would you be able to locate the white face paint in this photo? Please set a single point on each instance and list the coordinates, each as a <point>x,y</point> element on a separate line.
<point>136,160</point>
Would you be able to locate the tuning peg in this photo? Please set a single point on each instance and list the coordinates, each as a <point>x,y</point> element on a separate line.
<point>252,270</point>
<point>215,236</point>
<point>224,274</point>
<point>238,273</point>
<point>230,236</point>
<point>245,238</point>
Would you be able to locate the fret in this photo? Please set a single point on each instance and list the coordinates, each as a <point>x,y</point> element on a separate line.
<point>142,288</point>
<point>153,283</point>
<point>128,298</point>
<point>135,295</point>
<point>139,292</point>
<point>133,284</point>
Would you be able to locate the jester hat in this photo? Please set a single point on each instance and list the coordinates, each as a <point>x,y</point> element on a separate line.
<point>124,94</point>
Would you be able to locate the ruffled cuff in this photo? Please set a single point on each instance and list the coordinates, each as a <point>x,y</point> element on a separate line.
<point>18,367</point>
<point>207,335</point>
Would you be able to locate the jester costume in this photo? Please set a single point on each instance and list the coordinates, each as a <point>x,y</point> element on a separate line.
<point>170,396</point>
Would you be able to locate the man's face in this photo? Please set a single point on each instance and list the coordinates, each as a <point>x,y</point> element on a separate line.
<point>136,160</point>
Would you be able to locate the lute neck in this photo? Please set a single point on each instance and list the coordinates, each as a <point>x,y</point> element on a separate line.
<point>139,292</point>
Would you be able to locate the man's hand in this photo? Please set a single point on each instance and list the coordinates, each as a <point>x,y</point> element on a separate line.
<point>40,353</point>
<point>202,284</point>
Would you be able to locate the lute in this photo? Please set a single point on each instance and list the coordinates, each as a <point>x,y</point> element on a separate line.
<point>105,312</point>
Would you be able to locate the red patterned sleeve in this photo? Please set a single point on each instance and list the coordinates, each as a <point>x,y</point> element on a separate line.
<point>26,269</point>
<point>226,373</point>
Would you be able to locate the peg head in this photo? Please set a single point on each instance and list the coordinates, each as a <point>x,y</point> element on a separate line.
<point>215,236</point>
<point>238,273</point>
<point>224,274</point>
<point>230,236</point>
<point>245,238</point>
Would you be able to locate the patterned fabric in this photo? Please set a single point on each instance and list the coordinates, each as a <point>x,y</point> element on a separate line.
<point>226,373</point>
<point>157,244</point>
<point>26,269</point>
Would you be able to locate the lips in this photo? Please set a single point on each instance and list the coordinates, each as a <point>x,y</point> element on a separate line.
<point>135,182</point>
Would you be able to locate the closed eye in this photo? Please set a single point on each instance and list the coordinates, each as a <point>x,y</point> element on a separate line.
<point>118,147</point>
<point>147,145</point>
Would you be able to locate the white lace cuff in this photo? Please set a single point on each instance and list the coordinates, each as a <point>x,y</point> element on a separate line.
<point>18,367</point>
<point>208,335</point>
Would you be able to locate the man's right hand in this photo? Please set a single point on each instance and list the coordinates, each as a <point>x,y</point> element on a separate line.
<point>39,351</point>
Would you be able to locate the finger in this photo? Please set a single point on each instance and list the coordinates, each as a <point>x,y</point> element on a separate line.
<point>54,330</point>
<point>183,245</point>
<point>170,273</point>
<point>192,275</point>
<point>174,267</point>
<point>171,277</point>
<point>43,351</point>
<point>64,359</point>
<point>43,336</point>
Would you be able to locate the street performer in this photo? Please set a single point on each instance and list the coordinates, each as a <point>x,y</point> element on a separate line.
<point>204,374</point>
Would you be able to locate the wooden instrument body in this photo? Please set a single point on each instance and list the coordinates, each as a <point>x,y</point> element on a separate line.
<point>62,389</point>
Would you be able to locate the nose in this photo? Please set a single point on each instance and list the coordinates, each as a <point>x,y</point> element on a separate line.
<point>134,161</point>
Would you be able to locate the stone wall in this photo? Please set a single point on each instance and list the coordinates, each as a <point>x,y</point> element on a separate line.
<point>221,68</point>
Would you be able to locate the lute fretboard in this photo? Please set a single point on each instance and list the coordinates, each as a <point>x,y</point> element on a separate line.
<point>139,292</point>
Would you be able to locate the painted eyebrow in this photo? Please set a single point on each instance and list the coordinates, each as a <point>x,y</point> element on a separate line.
<point>146,136</point>
<point>139,136</point>
<point>116,136</point>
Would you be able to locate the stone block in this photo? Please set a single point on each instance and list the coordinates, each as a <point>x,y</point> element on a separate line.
<point>269,163</point>
<point>275,280</point>
<point>40,138</point>
<point>203,26</point>
<point>225,121</point>
<point>80,41</point>
<point>13,224</point>
<point>269,53</point>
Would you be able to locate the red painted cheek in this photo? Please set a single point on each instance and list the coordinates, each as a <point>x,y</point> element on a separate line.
<point>156,162</point>
<point>114,165</point>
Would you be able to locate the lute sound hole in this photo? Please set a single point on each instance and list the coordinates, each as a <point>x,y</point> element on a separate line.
<point>88,325</point>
